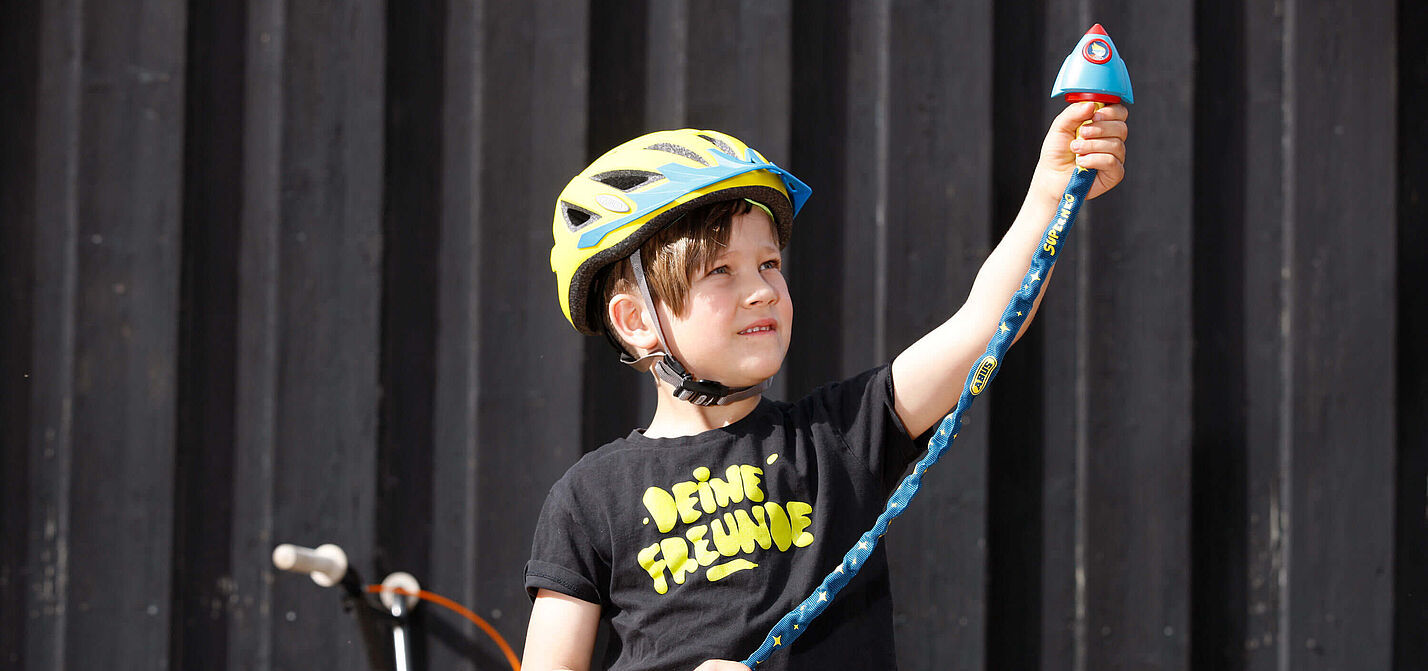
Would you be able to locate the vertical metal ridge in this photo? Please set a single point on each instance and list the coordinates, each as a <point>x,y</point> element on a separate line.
<point>56,237</point>
<point>883,29</point>
<point>260,277</point>
<point>1281,524</point>
<point>1083,439</point>
<point>1082,421</point>
<point>457,418</point>
<point>471,467</point>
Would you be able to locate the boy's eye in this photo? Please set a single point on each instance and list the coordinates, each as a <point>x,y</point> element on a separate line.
<point>720,270</point>
<point>771,264</point>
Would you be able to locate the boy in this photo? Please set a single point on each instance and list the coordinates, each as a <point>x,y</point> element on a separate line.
<point>696,534</point>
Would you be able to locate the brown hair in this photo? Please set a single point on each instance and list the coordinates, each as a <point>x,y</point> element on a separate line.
<point>673,256</point>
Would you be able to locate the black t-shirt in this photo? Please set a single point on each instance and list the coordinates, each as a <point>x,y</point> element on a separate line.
<point>695,546</point>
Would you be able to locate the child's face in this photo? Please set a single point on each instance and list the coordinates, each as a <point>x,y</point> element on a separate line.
<point>739,316</point>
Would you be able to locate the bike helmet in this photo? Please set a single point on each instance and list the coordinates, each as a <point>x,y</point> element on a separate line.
<point>636,189</point>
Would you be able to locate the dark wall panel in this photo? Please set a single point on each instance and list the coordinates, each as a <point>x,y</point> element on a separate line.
<point>1340,230</point>
<point>207,353</point>
<point>861,203</point>
<point>110,513</point>
<point>534,79</point>
<point>19,39</point>
<point>411,236</point>
<point>251,617</point>
<point>1219,503</point>
<point>453,546</point>
<point>1264,337</point>
<point>50,407</point>
<point>937,171</point>
<point>1410,604</point>
<point>1137,247</point>
<point>327,254</point>
<point>818,154</point>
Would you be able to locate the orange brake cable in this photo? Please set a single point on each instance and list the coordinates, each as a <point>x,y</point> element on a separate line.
<point>460,610</point>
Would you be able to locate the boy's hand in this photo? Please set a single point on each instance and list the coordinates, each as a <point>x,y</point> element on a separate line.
<point>721,665</point>
<point>1102,146</point>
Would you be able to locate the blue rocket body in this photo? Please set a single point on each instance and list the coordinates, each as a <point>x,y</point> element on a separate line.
<point>1095,71</point>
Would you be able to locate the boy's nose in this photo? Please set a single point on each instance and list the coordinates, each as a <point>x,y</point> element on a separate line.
<point>761,293</point>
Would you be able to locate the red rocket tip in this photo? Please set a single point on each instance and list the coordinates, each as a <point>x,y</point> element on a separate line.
<point>1097,30</point>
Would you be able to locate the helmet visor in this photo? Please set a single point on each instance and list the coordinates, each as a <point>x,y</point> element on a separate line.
<point>682,181</point>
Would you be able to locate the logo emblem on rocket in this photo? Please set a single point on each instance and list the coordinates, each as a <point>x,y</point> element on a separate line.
<point>1097,51</point>
<point>1094,71</point>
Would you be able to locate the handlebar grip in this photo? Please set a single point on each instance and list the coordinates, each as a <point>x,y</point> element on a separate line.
<point>326,564</point>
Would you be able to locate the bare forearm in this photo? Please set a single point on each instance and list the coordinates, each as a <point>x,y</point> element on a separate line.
<point>925,375</point>
<point>1004,271</point>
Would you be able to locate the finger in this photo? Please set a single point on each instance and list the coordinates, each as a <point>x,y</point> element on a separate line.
<point>1111,146</point>
<point>1108,178</point>
<point>1073,116</point>
<point>1105,163</point>
<point>1105,129</point>
<point>1116,112</point>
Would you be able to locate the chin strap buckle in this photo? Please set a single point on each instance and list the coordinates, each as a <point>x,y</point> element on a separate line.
<point>701,392</point>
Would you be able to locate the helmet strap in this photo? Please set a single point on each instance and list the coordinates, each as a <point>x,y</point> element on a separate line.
<point>686,386</point>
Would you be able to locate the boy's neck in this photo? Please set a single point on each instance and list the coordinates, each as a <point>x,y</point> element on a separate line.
<point>674,418</point>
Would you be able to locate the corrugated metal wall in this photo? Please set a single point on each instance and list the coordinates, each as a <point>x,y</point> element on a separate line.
<point>277,270</point>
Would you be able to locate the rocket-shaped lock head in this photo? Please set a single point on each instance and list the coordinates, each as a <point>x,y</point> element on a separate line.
<point>1094,71</point>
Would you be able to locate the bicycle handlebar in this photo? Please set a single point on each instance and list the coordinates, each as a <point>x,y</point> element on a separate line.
<point>326,564</point>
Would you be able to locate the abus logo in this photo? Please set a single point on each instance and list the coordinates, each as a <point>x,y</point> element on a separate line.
<point>983,374</point>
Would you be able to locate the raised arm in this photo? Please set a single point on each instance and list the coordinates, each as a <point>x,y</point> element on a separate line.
<point>561,635</point>
<point>928,375</point>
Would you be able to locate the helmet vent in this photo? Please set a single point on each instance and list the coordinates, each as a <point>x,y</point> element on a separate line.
<point>723,146</point>
<point>576,216</point>
<point>678,151</point>
<point>627,180</point>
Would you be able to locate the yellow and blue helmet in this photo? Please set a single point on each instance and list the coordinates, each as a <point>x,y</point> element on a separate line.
<point>634,190</point>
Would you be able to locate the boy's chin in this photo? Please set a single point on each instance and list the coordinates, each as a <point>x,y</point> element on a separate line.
<point>753,375</point>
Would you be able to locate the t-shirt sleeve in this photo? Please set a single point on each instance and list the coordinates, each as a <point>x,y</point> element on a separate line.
<point>563,557</point>
<point>862,411</point>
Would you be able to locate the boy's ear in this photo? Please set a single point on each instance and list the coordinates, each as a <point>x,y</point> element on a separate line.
<point>632,323</point>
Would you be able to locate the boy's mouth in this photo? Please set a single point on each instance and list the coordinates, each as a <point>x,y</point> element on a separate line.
<point>763,326</point>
